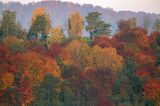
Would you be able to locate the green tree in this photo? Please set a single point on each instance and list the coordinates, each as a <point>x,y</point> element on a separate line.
<point>128,87</point>
<point>82,91</point>
<point>156,25</point>
<point>0,32</point>
<point>67,96</point>
<point>47,94</point>
<point>40,24</point>
<point>20,32</point>
<point>156,48</point>
<point>96,26</point>
<point>8,23</point>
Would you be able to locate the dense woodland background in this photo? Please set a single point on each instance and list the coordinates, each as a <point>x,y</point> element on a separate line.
<point>45,66</point>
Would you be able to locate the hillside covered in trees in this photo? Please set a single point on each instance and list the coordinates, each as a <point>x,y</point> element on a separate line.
<point>44,66</point>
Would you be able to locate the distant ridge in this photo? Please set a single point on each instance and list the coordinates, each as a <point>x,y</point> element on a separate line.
<point>60,11</point>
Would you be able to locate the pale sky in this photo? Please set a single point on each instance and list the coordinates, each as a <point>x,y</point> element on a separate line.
<point>152,6</point>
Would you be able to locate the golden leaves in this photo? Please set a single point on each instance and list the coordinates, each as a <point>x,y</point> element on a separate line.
<point>79,53</point>
<point>107,58</point>
<point>56,36</point>
<point>75,24</point>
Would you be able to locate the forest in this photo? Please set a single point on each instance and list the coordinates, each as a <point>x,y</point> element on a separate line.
<point>59,66</point>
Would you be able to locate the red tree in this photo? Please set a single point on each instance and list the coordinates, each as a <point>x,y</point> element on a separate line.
<point>25,89</point>
<point>152,89</point>
<point>102,41</point>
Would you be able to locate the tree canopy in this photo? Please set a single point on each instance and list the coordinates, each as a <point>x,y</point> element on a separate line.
<point>96,26</point>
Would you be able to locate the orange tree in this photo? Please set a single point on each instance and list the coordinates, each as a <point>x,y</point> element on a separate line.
<point>37,64</point>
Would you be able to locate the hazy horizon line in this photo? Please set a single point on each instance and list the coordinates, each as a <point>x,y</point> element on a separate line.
<point>32,2</point>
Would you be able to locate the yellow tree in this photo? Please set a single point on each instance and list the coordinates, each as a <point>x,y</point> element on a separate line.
<point>106,58</point>
<point>56,36</point>
<point>80,54</point>
<point>77,53</point>
<point>75,24</point>
<point>7,80</point>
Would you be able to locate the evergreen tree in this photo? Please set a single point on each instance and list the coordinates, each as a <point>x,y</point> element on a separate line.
<point>96,26</point>
<point>47,94</point>
<point>156,25</point>
<point>8,24</point>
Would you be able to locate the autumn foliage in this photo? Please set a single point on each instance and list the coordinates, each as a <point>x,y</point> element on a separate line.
<point>75,70</point>
<point>26,90</point>
<point>152,89</point>
<point>102,41</point>
<point>38,66</point>
<point>136,36</point>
